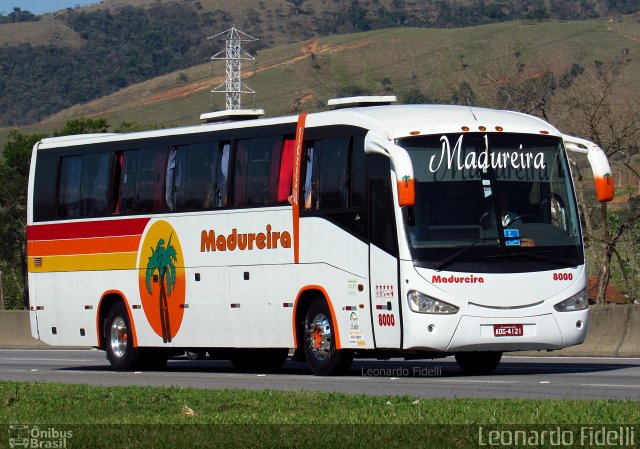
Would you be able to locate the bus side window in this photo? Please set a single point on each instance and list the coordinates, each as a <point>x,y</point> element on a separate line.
<point>83,189</point>
<point>126,202</point>
<point>201,170</point>
<point>309,191</point>
<point>150,190</point>
<point>263,166</point>
<point>69,184</point>
<point>382,225</point>
<point>223,159</point>
<point>330,173</point>
<point>95,184</point>
<point>286,170</point>
<point>358,172</point>
<point>240,173</point>
<point>176,177</point>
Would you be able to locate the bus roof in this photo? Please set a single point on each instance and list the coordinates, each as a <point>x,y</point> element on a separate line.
<point>392,121</point>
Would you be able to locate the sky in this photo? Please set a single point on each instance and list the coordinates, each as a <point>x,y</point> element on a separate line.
<point>41,6</point>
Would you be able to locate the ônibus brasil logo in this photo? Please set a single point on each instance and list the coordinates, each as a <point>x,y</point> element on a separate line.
<point>161,280</point>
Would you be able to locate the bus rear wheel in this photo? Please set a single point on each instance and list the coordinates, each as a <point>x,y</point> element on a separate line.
<point>121,353</point>
<point>481,362</point>
<point>323,357</point>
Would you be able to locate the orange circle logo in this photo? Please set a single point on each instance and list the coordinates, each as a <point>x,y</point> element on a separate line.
<point>161,280</point>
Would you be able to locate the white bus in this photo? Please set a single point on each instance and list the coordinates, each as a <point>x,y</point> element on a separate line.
<point>372,231</point>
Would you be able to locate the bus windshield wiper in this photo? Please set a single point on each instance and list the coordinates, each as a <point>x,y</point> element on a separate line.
<point>440,265</point>
<point>538,255</point>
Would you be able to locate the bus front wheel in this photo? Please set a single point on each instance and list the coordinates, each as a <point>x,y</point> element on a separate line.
<point>121,353</point>
<point>323,357</point>
<point>481,362</point>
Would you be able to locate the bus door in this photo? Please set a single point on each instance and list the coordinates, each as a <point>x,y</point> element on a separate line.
<point>383,255</point>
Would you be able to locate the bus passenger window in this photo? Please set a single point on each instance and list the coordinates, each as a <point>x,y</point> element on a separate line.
<point>176,177</point>
<point>126,202</point>
<point>69,187</point>
<point>201,170</point>
<point>327,185</point>
<point>286,171</point>
<point>151,180</point>
<point>84,185</point>
<point>240,175</point>
<point>262,171</point>
<point>95,184</point>
<point>222,175</point>
<point>309,192</point>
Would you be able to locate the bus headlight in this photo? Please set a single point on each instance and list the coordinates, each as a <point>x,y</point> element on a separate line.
<point>579,301</point>
<point>421,303</point>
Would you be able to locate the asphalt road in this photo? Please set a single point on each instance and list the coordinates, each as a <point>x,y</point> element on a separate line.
<point>515,377</point>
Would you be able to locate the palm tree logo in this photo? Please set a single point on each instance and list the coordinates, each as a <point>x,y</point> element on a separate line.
<point>162,261</point>
<point>406,179</point>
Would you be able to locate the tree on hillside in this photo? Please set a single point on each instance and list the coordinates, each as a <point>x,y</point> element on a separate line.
<point>588,110</point>
<point>14,172</point>
<point>18,15</point>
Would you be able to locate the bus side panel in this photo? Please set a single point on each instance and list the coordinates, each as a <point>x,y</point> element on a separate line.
<point>333,258</point>
<point>206,322</point>
<point>66,303</point>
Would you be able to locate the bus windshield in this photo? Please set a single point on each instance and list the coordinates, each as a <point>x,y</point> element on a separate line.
<point>492,202</point>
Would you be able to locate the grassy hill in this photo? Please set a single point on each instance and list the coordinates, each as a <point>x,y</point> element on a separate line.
<point>79,54</point>
<point>302,76</point>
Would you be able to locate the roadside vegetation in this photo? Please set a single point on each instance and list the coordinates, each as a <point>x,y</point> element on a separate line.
<point>158,417</point>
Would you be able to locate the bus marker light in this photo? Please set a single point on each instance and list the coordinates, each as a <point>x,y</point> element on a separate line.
<point>361,306</point>
<point>415,133</point>
<point>499,128</point>
<point>465,128</point>
<point>544,132</point>
<point>360,287</point>
<point>482,128</point>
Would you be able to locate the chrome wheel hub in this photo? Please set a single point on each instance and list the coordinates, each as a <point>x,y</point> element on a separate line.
<point>119,337</point>
<point>319,337</point>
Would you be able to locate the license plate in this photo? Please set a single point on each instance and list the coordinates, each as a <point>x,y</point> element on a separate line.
<point>508,330</point>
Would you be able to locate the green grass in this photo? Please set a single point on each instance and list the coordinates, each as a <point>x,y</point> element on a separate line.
<point>81,404</point>
<point>186,417</point>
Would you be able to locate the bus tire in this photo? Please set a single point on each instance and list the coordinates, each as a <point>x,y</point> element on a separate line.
<point>259,359</point>
<point>478,363</point>
<point>323,358</point>
<point>121,353</point>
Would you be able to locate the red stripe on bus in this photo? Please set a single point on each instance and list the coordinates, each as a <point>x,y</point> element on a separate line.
<point>295,186</point>
<point>87,229</point>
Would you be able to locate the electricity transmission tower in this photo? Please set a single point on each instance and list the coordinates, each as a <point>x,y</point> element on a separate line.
<point>233,55</point>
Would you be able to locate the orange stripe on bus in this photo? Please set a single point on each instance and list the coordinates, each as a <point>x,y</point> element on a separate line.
<point>103,245</point>
<point>295,185</point>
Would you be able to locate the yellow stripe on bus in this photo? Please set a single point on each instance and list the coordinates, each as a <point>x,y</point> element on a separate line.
<point>89,262</point>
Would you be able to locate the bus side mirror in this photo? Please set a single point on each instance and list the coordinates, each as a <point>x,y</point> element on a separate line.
<point>401,162</point>
<point>407,191</point>
<point>599,165</point>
